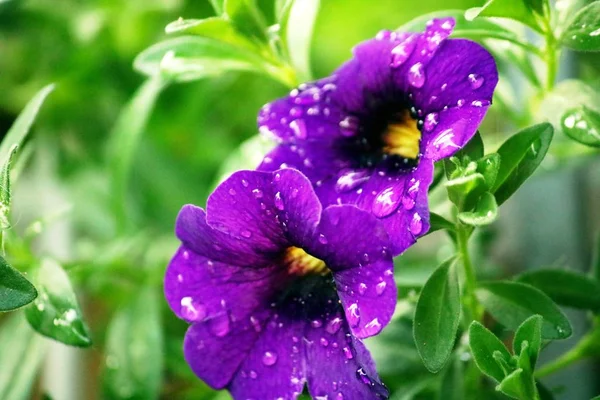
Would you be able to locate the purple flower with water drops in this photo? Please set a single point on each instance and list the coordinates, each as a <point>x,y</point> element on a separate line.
<point>279,292</point>
<point>370,133</point>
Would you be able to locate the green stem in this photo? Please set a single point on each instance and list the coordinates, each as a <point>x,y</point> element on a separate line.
<point>551,55</point>
<point>588,346</point>
<point>463,234</point>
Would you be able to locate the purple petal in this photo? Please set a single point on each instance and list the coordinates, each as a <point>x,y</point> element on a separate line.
<point>275,367</point>
<point>353,244</point>
<point>339,365</point>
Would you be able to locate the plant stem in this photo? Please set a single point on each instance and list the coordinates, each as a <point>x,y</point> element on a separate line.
<point>588,346</point>
<point>551,55</point>
<point>463,234</point>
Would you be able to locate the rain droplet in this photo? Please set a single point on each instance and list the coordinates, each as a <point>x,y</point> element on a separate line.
<point>402,52</point>
<point>350,180</point>
<point>255,323</point>
<point>380,288</point>
<point>383,35</point>
<point>349,126</point>
<point>431,121</point>
<point>324,342</point>
<point>362,288</point>
<point>244,183</point>
<point>308,97</point>
<point>416,225</point>
<point>386,202</point>
<point>298,126</point>
<point>295,112</point>
<point>257,193</point>
<point>339,396</point>
<point>279,201</point>
<point>373,327</point>
<point>353,314</point>
<point>460,102</point>
<point>476,81</point>
<point>232,192</point>
<point>246,233</point>
<point>316,323</point>
<point>219,326</point>
<point>416,75</point>
<point>192,310</point>
<point>480,103</point>
<point>253,374</point>
<point>348,353</point>
<point>322,239</point>
<point>269,358</point>
<point>334,325</point>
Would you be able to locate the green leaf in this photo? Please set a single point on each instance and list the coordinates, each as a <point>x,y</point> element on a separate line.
<point>300,24</point>
<point>485,211</point>
<point>216,28</point>
<point>567,288</point>
<point>23,123</point>
<point>436,317</point>
<point>484,344</point>
<point>56,313</point>
<point>218,6</point>
<point>595,270</point>
<point>124,139</point>
<point>513,386</point>
<point>488,166</point>
<point>465,190</point>
<point>453,381</point>
<point>583,32</point>
<point>511,9</point>
<point>511,303</point>
<point>438,222</point>
<point>21,355</point>
<point>5,190</point>
<point>246,17</point>
<point>582,124</point>
<point>15,290</point>
<point>531,332</point>
<point>520,156</point>
<point>133,364</point>
<point>189,58</point>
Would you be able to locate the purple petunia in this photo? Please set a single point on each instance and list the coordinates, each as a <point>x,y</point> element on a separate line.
<point>279,292</point>
<point>370,133</point>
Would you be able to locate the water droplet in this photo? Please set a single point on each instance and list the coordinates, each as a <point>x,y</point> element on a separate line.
<point>308,97</point>
<point>219,325</point>
<point>316,323</point>
<point>353,314</point>
<point>416,225</point>
<point>373,327</point>
<point>324,342</point>
<point>279,201</point>
<point>255,323</point>
<point>362,288</point>
<point>365,258</point>
<point>460,102</point>
<point>348,353</point>
<point>244,183</point>
<point>416,75</point>
<point>476,81</point>
<point>322,239</point>
<point>295,349</point>
<point>363,377</point>
<point>298,126</point>
<point>246,233</point>
<point>252,374</point>
<point>383,35</point>
<point>431,121</point>
<point>257,193</point>
<point>349,125</point>
<point>386,202</point>
<point>186,255</point>
<point>269,358</point>
<point>380,288</point>
<point>296,112</point>
<point>350,180</point>
<point>480,103</point>
<point>334,325</point>
<point>595,33</point>
<point>339,396</point>
<point>192,310</point>
<point>402,52</point>
<point>232,192</point>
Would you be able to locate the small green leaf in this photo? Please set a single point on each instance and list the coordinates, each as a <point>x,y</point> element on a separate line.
<point>583,32</point>
<point>520,156</point>
<point>133,364</point>
<point>21,126</point>
<point>56,313</point>
<point>216,28</point>
<point>218,6</point>
<point>529,331</point>
<point>247,19</point>
<point>567,288</point>
<point>300,24</point>
<point>511,303</point>
<point>21,355</point>
<point>465,190</point>
<point>484,344</point>
<point>15,290</point>
<point>438,222</point>
<point>488,166</point>
<point>582,124</point>
<point>512,9</point>
<point>485,212</point>
<point>513,386</point>
<point>5,190</point>
<point>436,317</point>
<point>472,151</point>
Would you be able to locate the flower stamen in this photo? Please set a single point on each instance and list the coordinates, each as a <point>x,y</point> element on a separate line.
<point>402,137</point>
<point>299,262</point>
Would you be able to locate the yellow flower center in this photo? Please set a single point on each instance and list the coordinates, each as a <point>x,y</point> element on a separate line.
<point>402,138</point>
<point>299,262</point>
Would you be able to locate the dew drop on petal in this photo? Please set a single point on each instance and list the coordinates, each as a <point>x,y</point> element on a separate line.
<point>349,126</point>
<point>219,325</point>
<point>322,239</point>
<point>334,325</point>
<point>348,353</point>
<point>255,323</point>
<point>246,233</point>
<point>416,75</point>
<point>373,327</point>
<point>380,288</point>
<point>339,396</point>
<point>431,121</point>
<point>192,310</point>
<point>298,126</point>
<point>324,342</point>
<point>295,112</point>
<point>353,314</point>
<point>402,52</point>
<point>476,81</point>
<point>257,193</point>
<point>416,224</point>
<point>362,288</point>
<point>244,183</point>
<point>350,180</point>
<point>232,192</point>
<point>279,201</point>
<point>386,202</point>
<point>269,358</point>
<point>316,323</point>
<point>252,374</point>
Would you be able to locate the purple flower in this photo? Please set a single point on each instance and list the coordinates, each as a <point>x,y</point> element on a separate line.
<point>279,292</point>
<point>370,133</point>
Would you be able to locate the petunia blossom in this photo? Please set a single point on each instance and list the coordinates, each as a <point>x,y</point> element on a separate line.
<point>370,133</point>
<point>278,292</point>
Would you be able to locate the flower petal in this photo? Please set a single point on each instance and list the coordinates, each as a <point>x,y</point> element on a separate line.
<point>353,244</point>
<point>339,365</point>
